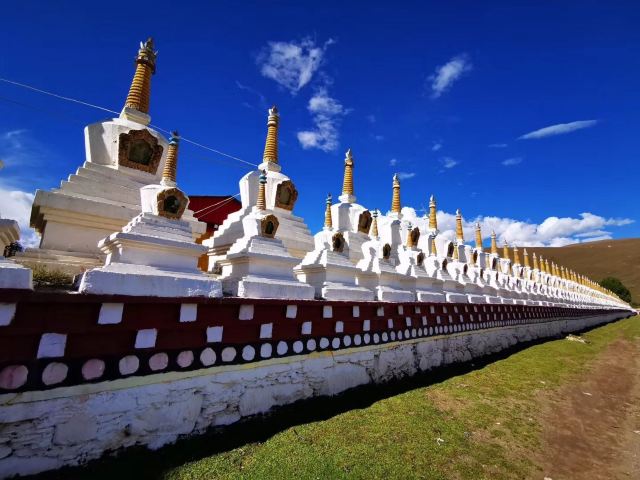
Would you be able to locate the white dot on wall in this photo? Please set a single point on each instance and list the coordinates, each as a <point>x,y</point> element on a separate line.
<point>407,333</point>
<point>390,323</point>
<point>430,330</point>
<point>420,332</point>
<point>400,310</point>
<point>306,328</point>
<point>158,361</point>
<point>356,311</point>
<point>376,338</point>
<point>110,313</point>
<point>92,369</point>
<point>385,337</point>
<point>414,333</point>
<point>266,350</point>
<point>339,327</point>
<point>380,311</point>
<point>311,344</point>
<point>324,342</point>
<point>129,365</point>
<point>54,373</point>
<point>298,346</point>
<point>248,353</point>
<point>266,330</point>
<point>424,321</point>
<point>446,328</point>
<point>185,359</point>
<point>52,345</point>
<point>292,311</point>
<point>400,335</point>
<point>188,312</point>
<point>245,312</point>
<point>357,340</point>
<point>392,336</point>
<point>367,338</point>
<point>282,348</point>
<point>327,311</point>
<point>228,354</point>
<point>13,376</point>
<point>366,325</point>
<point>335,343</point>
<point>208,357</point>
<point>347,341</point>
<point>417,309</point>
<point>146,338</point>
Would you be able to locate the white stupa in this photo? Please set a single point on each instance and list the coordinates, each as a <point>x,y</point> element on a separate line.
<point>12,275</point>
<point>154,254</point>
<point>122,155</point>
<point>280,196</point>
<point>258,265</point>
<point>328,268</point>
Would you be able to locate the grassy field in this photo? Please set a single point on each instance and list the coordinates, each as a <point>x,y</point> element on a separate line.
<point>480,421</point>
<point>597,260</point>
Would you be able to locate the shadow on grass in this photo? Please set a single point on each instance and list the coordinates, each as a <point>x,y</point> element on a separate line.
<point>141,463</point>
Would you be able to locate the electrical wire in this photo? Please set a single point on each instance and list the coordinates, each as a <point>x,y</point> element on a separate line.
<point>210,208</point>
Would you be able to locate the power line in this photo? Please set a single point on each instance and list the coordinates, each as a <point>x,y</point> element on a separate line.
<point>210,208</point>
<point>87,104</point>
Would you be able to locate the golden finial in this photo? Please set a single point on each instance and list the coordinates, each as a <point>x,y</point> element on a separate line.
<point>456,255</point>
<point>327,214</point>
<point>261,204</point>
<point>434,249</point>
<point>171,163</point>
<point>271,144</point>
<point>478,237</point>
<point>547,268</point>
<point>505,251</point>
<point>433,220</point>
<point>140,90</point>
<point>395,201</point>
<point>536,266</point>
<point>374,225</point>
<point>494,243</point>
<point>526,259</point>
<point>410,236</point>
<point>347,183</point>
<point>516,255</point>
<point>459,232</point>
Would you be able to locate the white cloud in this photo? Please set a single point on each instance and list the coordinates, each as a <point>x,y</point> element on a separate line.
<point>406,175</point>
<point>448,162</point>
<point>393,162</point>
<point>558,129</point>
<point>512,161</point>
<point>326,112</point>
<point>436,146</point>
<point>445,75</point>
<point>498,145</point>
<point>371,118</point>
<point>16,205</point>
<point>378,138</point>
<point>553,231</point>
<point>292,64</point>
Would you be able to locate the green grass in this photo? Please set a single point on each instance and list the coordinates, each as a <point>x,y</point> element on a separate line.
<point>487,420</point>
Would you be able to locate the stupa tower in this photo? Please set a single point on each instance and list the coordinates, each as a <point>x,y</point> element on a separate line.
<point>136,107</point>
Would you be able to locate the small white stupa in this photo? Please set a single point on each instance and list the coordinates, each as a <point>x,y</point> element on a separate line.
<point>280,197</point>
<point>122,155</point>
<point>328,268</point>
<point>411,262</point>
<point>377,269</point>
<point>12,275</point>
<point>461,268</point>
<point>154,254</point>
<point>258,265</point>
<point>349,218</point>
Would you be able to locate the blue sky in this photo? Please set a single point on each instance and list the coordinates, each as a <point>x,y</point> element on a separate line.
<point>526,114</point>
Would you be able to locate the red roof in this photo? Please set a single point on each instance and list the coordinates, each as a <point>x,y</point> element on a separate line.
<point>212,209</point>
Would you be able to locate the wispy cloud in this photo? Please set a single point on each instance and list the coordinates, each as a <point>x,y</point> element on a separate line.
<point>498,145</point>
<point>553,231</point>
<point>436,146</point>
<point>327,113</point>
<point>393,162</point>
<point>262,101</point>
<point>448,162</point>
<point>16,206</point>
<point>406,175</point>
<point>558,129</point>
<point>378,138</point>
<point>445,75</point>
<point>512,161</point>
<point>292,64</point>
<point>371,118</point>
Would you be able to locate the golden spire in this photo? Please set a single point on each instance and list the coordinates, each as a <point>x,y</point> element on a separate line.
<point>494,243</point>
<point>171,163</point>
<point>374,225</point>
<point>434,249</point>
<point>271,144</point>
<point>505,251</point>
<point>456,255</point>
<point>433,220</point>
<point>547,268</point>
<point>140,90</point>
<point>459,232</point>
<point>347,183</point>
<point>516,255</point>
<point>395,201</point>
<point>536,266</point>
<point>526,259</point>
<point>327,214</point>
<point>478,237</point>
<point>261,204</point>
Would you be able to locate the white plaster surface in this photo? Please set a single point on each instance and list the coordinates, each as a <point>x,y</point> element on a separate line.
<point>69,426</point>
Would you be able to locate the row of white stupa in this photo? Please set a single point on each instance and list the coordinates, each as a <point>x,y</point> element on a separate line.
<point>127,185</point>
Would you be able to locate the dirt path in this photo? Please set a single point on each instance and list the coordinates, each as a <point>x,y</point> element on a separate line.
<point>591,429</point>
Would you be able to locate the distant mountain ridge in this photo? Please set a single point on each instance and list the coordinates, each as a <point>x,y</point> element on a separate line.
<point>597,260</point>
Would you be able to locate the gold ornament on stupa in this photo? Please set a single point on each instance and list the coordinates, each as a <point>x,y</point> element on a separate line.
<point>327,213</point>
<point>271,143</point>
<point>494,243</point>
<point>478,237</point>
<point>140,90</point>
<point>433,220</point>
<point>395,200</point>
<point>347,182</point>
